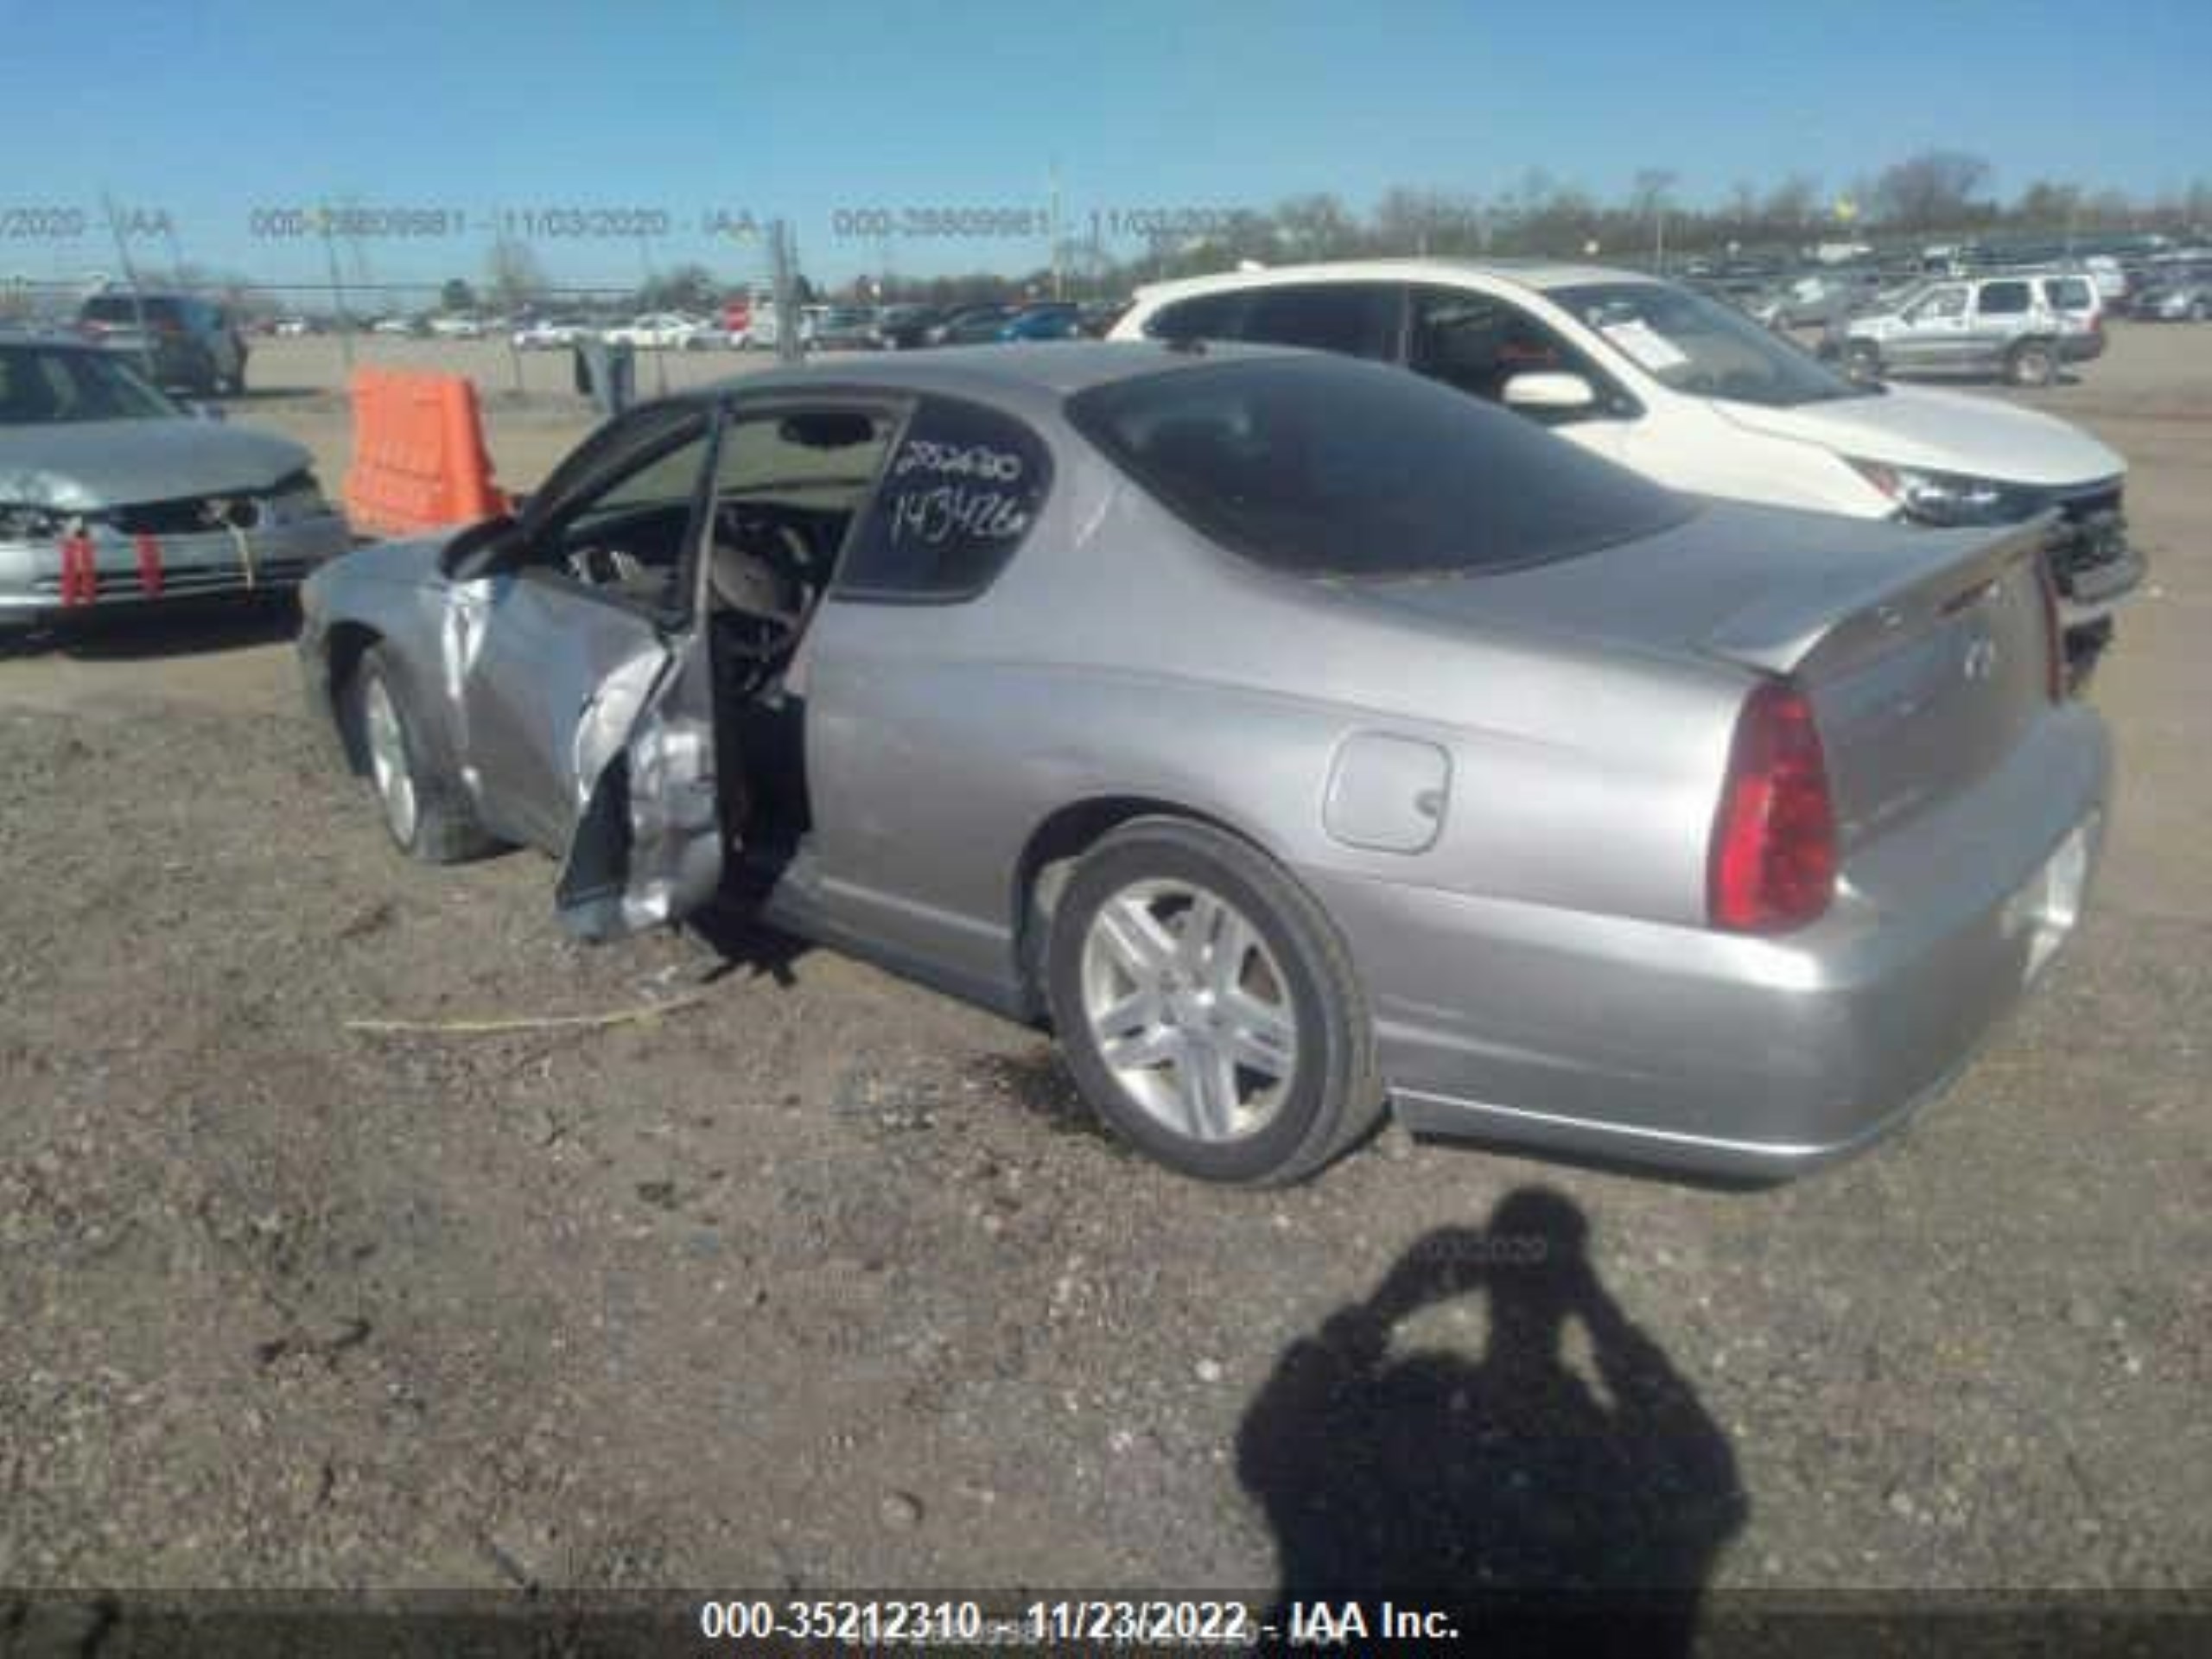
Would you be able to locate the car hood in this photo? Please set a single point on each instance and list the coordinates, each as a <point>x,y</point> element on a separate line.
<point>91,464</point>
<point>1947,431</point>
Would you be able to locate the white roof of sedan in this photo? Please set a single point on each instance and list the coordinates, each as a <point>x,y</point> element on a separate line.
<point>1527,273</point>
<point>1054,368</point>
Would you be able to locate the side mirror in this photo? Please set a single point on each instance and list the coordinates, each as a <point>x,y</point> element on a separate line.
<point>1551,391</point>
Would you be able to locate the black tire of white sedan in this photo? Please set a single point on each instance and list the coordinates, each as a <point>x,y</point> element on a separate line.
<point>1208,1009</point>
<point>425,811</point>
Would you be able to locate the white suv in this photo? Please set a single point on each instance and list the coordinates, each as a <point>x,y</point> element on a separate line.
<point>1692,393</point>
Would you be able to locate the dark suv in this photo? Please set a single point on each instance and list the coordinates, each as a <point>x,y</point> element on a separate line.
<point>184,341</point>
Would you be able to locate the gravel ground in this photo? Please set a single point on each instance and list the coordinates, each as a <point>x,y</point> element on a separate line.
<point>822,1279</point>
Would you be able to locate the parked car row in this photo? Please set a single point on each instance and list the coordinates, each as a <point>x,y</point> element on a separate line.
<point>2180,291</point>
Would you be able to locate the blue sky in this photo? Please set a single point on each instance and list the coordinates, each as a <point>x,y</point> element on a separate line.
<point>208,112</point>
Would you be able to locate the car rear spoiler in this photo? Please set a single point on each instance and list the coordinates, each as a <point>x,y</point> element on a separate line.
<point>1800,627</point>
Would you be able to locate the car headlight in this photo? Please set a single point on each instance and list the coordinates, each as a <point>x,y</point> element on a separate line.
<point>25,522</point>
<point>1949,498</point>
<point>297,497</point>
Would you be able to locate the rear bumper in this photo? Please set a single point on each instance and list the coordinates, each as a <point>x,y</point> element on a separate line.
<point>203,565</point>
<point>1721,1055</point>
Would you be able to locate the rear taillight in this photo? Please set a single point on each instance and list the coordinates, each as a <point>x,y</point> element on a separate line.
<point>2054,635</point>
<point>1772,863</point>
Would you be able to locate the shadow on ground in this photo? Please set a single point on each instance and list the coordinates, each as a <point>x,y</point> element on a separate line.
<point>1418,1474</point>
<point>745,945</point>
<point>179,628</point>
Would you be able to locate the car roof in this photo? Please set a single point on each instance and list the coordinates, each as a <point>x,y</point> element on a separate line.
<point>1538,275</point>
<point>1047,372</point>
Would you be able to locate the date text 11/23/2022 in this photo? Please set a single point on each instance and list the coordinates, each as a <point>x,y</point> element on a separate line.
<point>1134,1623</point>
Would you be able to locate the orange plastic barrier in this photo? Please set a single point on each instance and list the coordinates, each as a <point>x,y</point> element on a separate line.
<point>419,459</point>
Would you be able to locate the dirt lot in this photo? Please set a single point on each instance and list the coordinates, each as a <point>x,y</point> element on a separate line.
<point>825,1280</point>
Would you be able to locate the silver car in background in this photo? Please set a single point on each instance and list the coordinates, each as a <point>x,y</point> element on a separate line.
<point>1296,735</point>
<point>111,496</point>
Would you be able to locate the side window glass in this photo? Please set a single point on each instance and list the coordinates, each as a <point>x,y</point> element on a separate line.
<point>1476,343</point>
<point>1943,302</point>
<point>2003,299</point>
<point>1353,319</point>
<point>962,490</point>
<point>1211,316</point>
<point>626,538</point>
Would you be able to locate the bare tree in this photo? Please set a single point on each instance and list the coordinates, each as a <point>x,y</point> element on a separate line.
<point>1426,222</point>
<point>1318,226</point>
<point>1933,190</point>
<point>512,275</point>
<point>1790,205</point>
<point>2045,204</point>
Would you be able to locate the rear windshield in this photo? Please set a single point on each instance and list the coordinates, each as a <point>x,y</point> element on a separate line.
<point>1327,467</point>
<point>121,307</point>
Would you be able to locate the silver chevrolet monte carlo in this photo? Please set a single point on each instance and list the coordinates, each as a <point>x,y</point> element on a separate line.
<point>1297,736</point>
<point>112,497</point>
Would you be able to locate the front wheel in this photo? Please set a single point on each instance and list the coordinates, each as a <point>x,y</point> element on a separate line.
<point>426,813</point>
<point>1208,1007</point>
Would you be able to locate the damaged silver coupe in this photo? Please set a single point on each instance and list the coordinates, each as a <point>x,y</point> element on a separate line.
<point>1300,737</point>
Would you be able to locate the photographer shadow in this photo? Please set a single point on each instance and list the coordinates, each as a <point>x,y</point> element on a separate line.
<point>1510,1488</point>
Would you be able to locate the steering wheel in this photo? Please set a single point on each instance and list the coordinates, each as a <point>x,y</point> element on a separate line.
<point>756,573</point>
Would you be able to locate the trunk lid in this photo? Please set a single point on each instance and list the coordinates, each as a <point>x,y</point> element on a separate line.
<point>1925,653</point>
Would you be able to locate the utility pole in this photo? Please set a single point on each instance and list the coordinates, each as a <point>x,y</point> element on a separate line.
<point>779,248</point>
<point>337,295</point>
<point>660,356</point>
<point>130,276</point>
<point>1057,283</point>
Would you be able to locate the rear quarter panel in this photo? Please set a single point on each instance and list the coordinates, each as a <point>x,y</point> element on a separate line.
<point>1121,656</point>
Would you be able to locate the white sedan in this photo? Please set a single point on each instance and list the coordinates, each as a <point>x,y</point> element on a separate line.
<point>659,330</point>
<point>550,334</point>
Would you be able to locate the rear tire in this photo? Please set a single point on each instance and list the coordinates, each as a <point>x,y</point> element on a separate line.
<point>2032,363</point>
<point>425,811</point>
<point>1208,1007</point>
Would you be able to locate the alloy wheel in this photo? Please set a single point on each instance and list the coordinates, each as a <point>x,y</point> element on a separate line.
<point>387,746</point>
<point>1190,1010</point>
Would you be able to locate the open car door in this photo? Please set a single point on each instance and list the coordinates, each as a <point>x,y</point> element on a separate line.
<point>648,843</point>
